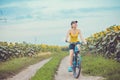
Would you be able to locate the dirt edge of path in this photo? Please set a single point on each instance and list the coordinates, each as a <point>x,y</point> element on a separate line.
<point>29,72</point>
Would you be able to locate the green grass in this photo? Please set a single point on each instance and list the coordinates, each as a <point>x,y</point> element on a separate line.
<point>13,66</point>
<point>48,71</point>
<point>99,66</point>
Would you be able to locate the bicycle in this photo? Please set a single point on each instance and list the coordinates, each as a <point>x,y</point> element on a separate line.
<point>76,65</point>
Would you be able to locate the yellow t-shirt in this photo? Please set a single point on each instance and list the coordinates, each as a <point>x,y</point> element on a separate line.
<point>74,37</point>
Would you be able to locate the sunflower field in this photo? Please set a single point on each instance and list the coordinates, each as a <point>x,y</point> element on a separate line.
<point>15,50</point>
<point>106,42</point>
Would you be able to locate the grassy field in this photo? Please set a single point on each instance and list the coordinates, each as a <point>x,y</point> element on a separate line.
<point>13,66</point>
<point>95,65</point>
<point>48,71</point>
<point>98,65</point>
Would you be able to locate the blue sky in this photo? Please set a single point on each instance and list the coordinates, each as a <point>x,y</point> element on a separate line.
<point>41,21</point>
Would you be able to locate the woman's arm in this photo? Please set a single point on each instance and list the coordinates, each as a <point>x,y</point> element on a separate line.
<point>81,37</point>
<point>67,35</point>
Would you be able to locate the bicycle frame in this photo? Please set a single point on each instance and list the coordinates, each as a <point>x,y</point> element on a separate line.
<point>76,62</point>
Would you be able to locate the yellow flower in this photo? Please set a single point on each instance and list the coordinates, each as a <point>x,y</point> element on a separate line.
<point>94,35</point>
<point>108,30</point>
<point>116,29</point>
<point>101,33</point>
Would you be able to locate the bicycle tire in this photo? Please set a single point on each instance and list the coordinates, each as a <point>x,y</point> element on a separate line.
<point>76,70</point>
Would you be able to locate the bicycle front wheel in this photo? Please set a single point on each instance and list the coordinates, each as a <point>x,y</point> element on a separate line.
<point>77,69</point>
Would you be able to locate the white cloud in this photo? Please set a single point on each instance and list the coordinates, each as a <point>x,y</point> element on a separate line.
<point>49,24</point>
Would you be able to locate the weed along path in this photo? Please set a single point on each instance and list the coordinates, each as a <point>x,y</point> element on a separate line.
<point>27,73</point>
<point>63,74</point>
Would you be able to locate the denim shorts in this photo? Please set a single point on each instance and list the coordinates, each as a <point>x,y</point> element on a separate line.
<point>72,46</point>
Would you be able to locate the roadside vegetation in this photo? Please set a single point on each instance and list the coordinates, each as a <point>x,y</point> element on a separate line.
<point>48,71</point>
<point>99,66</point>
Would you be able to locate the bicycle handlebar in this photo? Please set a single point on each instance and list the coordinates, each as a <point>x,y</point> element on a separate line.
<point>74,42</point>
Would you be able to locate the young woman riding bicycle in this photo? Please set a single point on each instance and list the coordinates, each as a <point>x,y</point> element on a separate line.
<point>73,35</point>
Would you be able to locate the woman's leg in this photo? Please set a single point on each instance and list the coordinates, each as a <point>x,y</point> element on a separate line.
<point>71,57</point>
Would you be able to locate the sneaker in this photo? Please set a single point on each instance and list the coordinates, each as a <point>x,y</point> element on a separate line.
<point>70,69</point>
